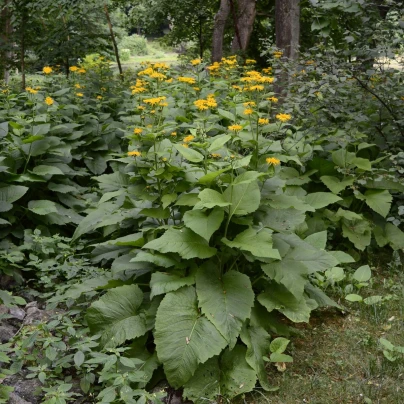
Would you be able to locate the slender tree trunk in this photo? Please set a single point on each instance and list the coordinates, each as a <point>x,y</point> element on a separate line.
<point>115,46</point>
<point>244,26</point>
<point>23,81</point>
<point>287,27</point>
<point>218,30</point>
<point>5,55</point>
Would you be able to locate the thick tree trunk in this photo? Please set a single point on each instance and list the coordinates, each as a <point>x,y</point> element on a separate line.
<point>244,25</point>
<point>218,30</point>
<point>115,46</point>
<point>287,27</point>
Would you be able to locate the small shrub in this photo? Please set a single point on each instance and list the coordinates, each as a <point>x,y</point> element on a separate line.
<point>124,54</point>
<point>136,44</point>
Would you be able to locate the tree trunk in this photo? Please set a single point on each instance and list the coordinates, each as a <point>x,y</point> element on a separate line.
<point>115,46</point>
<point>5,54</point>
<point>244,25</point>
<point>218,30</point>
<point>287,27</point>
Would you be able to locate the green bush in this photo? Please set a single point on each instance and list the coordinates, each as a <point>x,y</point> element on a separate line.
<point>136,44</point>
<point>124,54</point>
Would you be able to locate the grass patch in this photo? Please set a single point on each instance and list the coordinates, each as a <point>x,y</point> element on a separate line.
<point>338,357</point>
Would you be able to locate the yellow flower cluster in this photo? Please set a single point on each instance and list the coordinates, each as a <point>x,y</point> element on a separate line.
<point>137,131</point>
<point>31,90</point>
<point>196,62</point>
<point>284,117</point>
<point>80,94</point>
<point>73,68</point>
<point>134,153</point>
<point>47,70</point>
<point>152,70</point>
<point>139,87</point>
<point>214,68</point>
<point>250,62</point>
<point>263,121</point>
<point>154,101</point>
<point>81,71</point>
<point>278,54</point>
<point>248,111</point>
<point>188,80</point>
<point>49,101</point>
<point>231,61</point>
<point>273,99</point>
<point>255,80</point>
<point>267,70</point>
<point>235,128</point>
<point>249,104</point>
<point>203,105</point>
<point>272,161</point>
<point>189,138</point>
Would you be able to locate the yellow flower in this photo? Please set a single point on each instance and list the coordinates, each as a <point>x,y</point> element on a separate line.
<point>263,121</point>
<point>216,155</point>
<point>235,128</point>
<point>163,104</point>
<point>272,161</point>
<point>189,138</point>
<point>185,145</point>
<point>138,90</point>
<point>258,87</point>
<point>99,97</point>
<point>250,61</point>
<point>173,134</point>
<point>248,111</point>
<point>196,62</point>
<point>169,80</point>
<point>278,54</point>
<point>134,153</point>
<point>154,101</point>
<point>73,68</point>
<point>77,85</point>
<point>158,76</point>
<point>273,99</point>
<point>249,104</point>
<point>80,94</point>
<point>141,107</point>
<point>49,101</point>
<point>137,131</point>
<point>267,70</point>
<point>81,71</point>
<point>237,87</point>
<point>196,88</point>
<point>284,117</point>
<point>188,80</point>
<point>47,70</point>
<point>31,90</point>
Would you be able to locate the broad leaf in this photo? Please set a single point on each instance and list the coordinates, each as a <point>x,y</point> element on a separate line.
<point>257,243</point>
<point>184,242</point>
<point>244,198</point>
<point>162,283</point>
<point>379,200</point>
<point>204,223</point>
<point>189,154</point>
<point>225,300</point>
<point>281,220</point>
<point>181,336</point>
<point>117,316</point>
<point>395,236</point>
<point>362,274</point>
<point>210,198</point>
<point>320,200</point>
<point>335,185</point>
<point>42,207</point>
<point>47,170</point>
<point>10,194</point>
<point>258,343</point>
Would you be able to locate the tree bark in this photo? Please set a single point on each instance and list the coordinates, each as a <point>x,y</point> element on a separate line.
<point>287,27</point>
<point>218,30</point>
<point>5,55</point>
<point>115,46</point>
<point>244,26</point>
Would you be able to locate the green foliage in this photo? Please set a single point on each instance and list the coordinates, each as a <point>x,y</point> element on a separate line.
<point>136,44</point>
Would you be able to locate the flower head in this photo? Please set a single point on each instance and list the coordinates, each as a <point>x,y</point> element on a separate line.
<point>196,62</point>
<point>137,131</point>
<point>188,80</point>
<point>273,99</point>
<point>49,101</point>
<point>284,117</point>
<point>263,121</point>
<point>248,111</point>
<point>272,161</point>
<point>73,68</point>
<point>47,70</point>
<point>189,138</point>
<point>134,153</point>
<point>235,128</point>
<point>80,94</point>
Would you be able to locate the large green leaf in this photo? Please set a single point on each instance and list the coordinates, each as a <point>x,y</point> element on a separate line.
<point>358,232</point>
<point>277,297</point>
<point>117,316</point>
<point>257,243</point>
<point>47,170</point>
<point>42,207</point>
<point>335,185</point>
<point>319,200</point>
<point>10,194</point>
<point>204,223</point>
<point>225,300</point>
<point>281,220</point>
<point>189,154</point>
<point>162,283</point>
<point>218,142</point>
<point>184,338</point>
<point>379,200</point>
<point>244,198</point>
<point>161,260</point>
<point>228,377</point>
<point>395,236</point>
<point>210,198</point>
<point>258,342</point>
<point>184,242</point>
